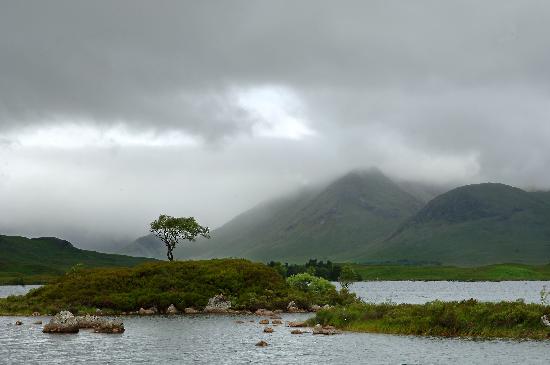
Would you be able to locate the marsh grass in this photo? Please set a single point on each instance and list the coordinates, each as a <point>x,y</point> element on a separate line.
<point>468,318</point>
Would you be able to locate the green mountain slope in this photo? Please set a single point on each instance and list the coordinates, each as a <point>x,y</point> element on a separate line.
<point>474,225</point>
<point>337,222</point>
<point>47,256</point>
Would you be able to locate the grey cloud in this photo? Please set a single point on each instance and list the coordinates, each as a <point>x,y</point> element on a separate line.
<point>429,90</point>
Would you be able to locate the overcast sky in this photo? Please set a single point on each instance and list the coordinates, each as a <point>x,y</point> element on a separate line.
<point>112,112</point>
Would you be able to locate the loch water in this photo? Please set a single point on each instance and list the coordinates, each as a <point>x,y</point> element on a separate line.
<point>219,339</point>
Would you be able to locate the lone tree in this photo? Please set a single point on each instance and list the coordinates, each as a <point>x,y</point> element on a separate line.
<point>348,276</point>
<point>171,230</point>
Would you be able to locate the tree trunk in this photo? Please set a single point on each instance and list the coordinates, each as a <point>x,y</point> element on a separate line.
<point>170,253</point>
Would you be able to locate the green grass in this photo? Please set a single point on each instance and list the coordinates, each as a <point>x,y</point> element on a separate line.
<point>39,260</point>
<point>498,272</point>
<point>182,283</point>
<point>448,319</point>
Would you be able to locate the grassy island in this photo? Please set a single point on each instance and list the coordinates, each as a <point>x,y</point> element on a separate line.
<point>468,318</point>
<point>185,284</point>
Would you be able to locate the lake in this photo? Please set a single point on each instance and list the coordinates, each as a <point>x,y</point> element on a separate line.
<point>219,339</point>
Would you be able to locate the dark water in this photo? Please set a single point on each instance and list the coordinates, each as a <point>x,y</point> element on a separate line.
<point>208,339</point>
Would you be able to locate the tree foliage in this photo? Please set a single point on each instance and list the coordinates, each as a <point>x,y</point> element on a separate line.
<point>171,230</point>
<point>309,283</point>
<point>348,276</point>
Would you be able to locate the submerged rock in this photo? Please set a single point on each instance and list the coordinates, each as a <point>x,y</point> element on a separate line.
<point>268,330</point>
<point>37,322</point>
<point>172,310</point>
<point>62,322</point>
<point>264,321</point>
<point>276,321</point>
<point>217,304</point>
<point>261,344</point>
<point>18,323</point>
<point>297,324</point>
<point>325,330</point>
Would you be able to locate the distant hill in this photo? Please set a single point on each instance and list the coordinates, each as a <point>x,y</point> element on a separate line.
<point>146,246</point>
<point>45,256</point>
<point>336,222</point>
<point>474,225</point>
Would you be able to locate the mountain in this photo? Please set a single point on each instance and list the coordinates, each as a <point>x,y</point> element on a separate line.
<point>336,222</point>
<point>146,246</point>
<point>474,225</point>
<point>51,256</point>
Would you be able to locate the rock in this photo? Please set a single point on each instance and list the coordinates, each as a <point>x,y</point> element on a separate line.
<point>35,314</point>
<point>315,308</point>
<point>326,330</point>
<point>264,313</point>
<point>268,330</point>
<point>545,321</point>
<point>297,324</point>
<point>62,322</point>
<point>276,321</point>
<point>278,311</point>
<point>297,332</point>
<point>292,308</point>
<point>88,321</point>
<point>261,344</point>
<point>190,311</point>
<point>110,326</point>
<point>147,312</point>
<point>172,310</point>
<point>98,312</point>
<point>217,304</point>
<point>264,321</point>
<point>37,322</point>
<point>239,322</point>
<point>18,323</point>
<point>326,306</point>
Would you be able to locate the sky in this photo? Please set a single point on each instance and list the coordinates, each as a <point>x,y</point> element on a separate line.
<point>113,112</point>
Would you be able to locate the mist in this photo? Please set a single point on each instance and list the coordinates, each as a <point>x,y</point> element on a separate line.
<point>113,112</point>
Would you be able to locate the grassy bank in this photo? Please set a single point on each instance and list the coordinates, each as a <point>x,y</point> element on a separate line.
<point>449,319</point>
<point>182,283</point>
<point>498,272</point>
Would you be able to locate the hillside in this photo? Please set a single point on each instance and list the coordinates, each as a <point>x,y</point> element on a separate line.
<point>36,259</point>
<point>337,222</point>
<point>475,225</point>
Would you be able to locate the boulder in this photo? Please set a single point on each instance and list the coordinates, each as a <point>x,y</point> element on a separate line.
<point>297,324</point>
<point>172,310</point>
<point>88,321</point>
<point>217,304</point>
<point>62,322</point>
<point>315,308</point>
<point>18,323</point>
<point>264,312</point>
<point>276,321</point>
<point>98,312</point>
<point>191,311</point>
<point>325,330</point>
<point>264,321</point>
<point>35,314</point>
<point>147,312</point>
<point>293,308</point>
<point>268,330</point>
<point>261,344</point>
<point>545,321</point>
<point>110,326</point>
<point>297,332</point>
